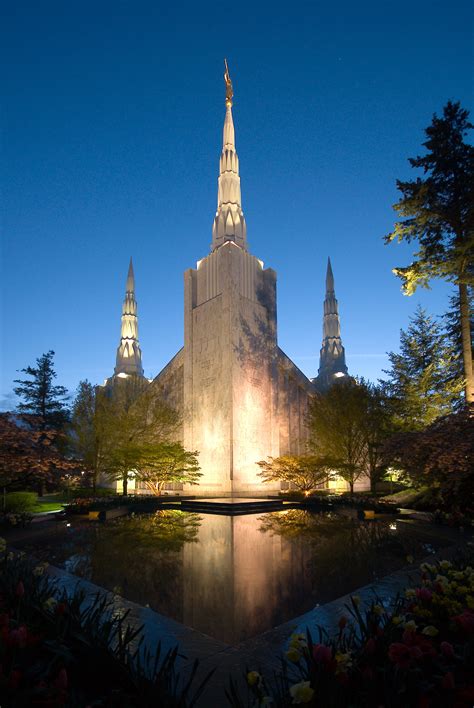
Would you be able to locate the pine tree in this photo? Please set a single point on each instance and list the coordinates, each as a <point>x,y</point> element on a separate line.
<point>452,331</point>
<point>438,212</point>
<point>420,384</point>
<point>41,397</point>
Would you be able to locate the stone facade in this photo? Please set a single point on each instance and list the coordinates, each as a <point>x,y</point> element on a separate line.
<point>240,397</point>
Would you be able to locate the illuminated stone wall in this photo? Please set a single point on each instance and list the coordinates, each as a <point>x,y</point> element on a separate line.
<point>230,353</point>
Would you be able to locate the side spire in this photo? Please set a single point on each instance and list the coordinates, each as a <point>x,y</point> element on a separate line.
<point>129,355</point>
<point>229,222</point>
<point>332,358</point>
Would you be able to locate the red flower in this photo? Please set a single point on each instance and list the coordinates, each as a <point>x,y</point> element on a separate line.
<point>60,681</point>
<point>60,608</point>
<point>447,649</point>
<point>20,589</point>
<point>424,594</point>
<point>322,654</point>
<point>400,655</point>
<point>465,621</point>
<point>370,645</point>
<point>447,681</point>
<point>19,636</point>
<point>342,623</point>
<point>15,678</point>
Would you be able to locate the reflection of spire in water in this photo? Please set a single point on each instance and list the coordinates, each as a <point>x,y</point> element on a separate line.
<point>235,577</point>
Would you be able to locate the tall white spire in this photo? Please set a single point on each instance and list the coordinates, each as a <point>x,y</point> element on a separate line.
<point>229,222</point>
<point>129,355</point>
<point>332,359</point>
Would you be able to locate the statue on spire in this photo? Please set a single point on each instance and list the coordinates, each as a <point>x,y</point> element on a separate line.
<point>229,91</point>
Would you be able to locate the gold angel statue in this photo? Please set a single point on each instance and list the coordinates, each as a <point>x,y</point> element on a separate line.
<point>229,91</point>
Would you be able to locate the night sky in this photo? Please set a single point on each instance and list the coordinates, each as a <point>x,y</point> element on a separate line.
<point>112,130</point>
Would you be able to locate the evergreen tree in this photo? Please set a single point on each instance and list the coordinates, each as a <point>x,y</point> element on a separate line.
<point>438,212</point>
<point>41,397</point>
<point>452,330</point>
<point>84,433</point>
<point>420,384</point>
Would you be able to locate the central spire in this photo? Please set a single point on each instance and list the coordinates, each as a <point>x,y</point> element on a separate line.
<point>229,222</point>
<point>129,355</point>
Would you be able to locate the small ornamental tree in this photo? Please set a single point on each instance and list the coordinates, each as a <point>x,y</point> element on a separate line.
<point>132,424</point>
<point>29,457</point>
<point>166,463</point>
<point>302,472</point>
<point>437,211</point>
<point>336,421</point>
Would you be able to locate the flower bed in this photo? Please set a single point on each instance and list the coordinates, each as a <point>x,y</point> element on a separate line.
<point>418,653</point>
<point>60,650</point>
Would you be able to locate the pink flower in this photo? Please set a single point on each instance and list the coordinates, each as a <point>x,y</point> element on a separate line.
<point>447,649</point>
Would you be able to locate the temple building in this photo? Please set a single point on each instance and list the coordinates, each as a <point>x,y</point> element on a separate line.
<point>240,397</point>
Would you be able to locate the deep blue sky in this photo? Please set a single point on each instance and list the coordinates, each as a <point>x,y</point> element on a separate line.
<point>112,124</point>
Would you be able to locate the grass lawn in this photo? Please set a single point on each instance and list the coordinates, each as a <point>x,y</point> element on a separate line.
<point>46,506</point>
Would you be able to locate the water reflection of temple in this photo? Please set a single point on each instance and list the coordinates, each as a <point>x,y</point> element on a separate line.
<point>237,581</point>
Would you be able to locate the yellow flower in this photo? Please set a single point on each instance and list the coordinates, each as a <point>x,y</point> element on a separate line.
<point>50,603</point>
<point>39,569</point>
<point>410,593</point>
<point>410,559</point>
<point>253,677</point>
<point>293,655</point>
<point>298,641</point>
<point>410,626</point>
<point>344,662</point>
<point>445,565</point>
<point>396,619</point>
<point>379,610</point>
<point>301,692</point>
<point>427,568</point>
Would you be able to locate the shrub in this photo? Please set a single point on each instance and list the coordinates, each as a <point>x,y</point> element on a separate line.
<point>20,502</point>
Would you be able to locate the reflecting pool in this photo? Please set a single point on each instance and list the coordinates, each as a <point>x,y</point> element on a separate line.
<point>233,577</point>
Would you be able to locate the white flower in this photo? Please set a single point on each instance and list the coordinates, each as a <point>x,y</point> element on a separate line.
<point>301,692</point>
<point>430,631</point>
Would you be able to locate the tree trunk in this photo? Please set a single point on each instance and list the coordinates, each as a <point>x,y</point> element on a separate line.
<point>351,487</point>
<point>125,485</point>
<point>466,343</point>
